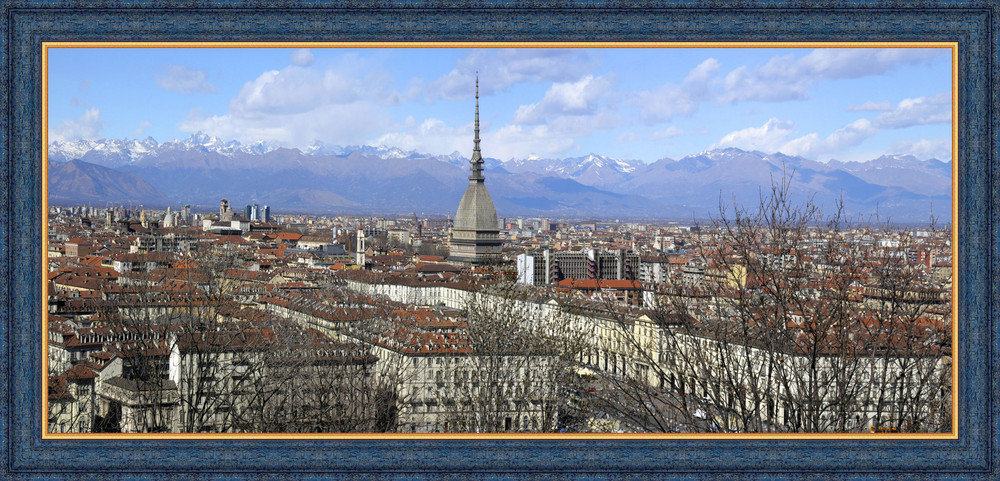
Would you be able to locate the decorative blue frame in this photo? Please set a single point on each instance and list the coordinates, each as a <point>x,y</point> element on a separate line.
<point>24,25</point>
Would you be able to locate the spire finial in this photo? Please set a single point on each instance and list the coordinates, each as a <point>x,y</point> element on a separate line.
<point>476,148</point>
<point>476,162</point>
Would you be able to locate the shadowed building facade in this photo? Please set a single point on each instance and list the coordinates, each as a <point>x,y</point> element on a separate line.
<point>475,237</point>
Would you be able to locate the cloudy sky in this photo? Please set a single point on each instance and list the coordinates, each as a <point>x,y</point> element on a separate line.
<point>646,104</point>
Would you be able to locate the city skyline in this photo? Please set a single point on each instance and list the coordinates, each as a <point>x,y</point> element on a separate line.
<point>786,318</point>
<point>644,104</point>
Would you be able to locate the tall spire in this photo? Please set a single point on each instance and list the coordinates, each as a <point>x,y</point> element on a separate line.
<point>476,162</point>
<point>476,148</point>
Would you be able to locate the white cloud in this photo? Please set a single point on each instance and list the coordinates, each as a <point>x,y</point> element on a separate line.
<point>517,141</point>
<point>785,78</point>
<point>767,138</point>
<point>500,68</point>
<point>303,57</point>
<point>336,124</point>
<point>871,106</point>
<point>570,98</point>
<point>430,136</point>
<point>558,137</point>
<point>568,111</point>
<point>298,106</point>
<point>671,100</point>
<point>777,80</point>
<point>552,139</point>
<point>141,129</point>
<point>667,133</point>
<point>297,89</point>
<point>87,126</point>
<point>935,109</point>
<point>626,137</point>
<point>812,146</point>
<point>771,137</point>
<point>924,149</point>
<point>584,125</point>
<point>862,62</point>
<point>774,135</point>
<point>185,80</point>
<point>291,90</point>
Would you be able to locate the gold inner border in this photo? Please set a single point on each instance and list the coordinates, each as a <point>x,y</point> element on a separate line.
<point>568,436</point>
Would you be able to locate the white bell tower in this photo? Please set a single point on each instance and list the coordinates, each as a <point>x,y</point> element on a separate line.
<point>359,253</point>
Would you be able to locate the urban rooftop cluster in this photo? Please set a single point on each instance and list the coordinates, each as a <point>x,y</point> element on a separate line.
<point>130,284</point>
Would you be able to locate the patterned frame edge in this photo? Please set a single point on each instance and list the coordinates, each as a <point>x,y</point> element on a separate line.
<point>26,24</point>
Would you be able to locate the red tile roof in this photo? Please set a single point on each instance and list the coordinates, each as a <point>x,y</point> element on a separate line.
<point>80,372</point>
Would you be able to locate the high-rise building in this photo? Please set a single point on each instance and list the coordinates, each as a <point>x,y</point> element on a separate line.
<point>546,267</point>
<point>475,236</point>
<point>266,214</point>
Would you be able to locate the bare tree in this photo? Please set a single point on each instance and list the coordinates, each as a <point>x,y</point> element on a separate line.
<point>307,382</point>
<point>798,321</point>
<point>191,366</point>
<point>521,361</point>
<point>911,332</point>
<point>432,249</point>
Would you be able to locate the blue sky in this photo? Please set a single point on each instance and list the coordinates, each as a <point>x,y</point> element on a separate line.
<point>643,103</point>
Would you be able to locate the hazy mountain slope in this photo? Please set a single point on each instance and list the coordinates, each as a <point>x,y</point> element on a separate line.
<point>931,177</point>
<point>593,170</point>
<point>83,182</point>
<point>202,170</point>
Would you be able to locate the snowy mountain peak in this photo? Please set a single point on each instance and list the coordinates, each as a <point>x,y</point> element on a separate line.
<point>380,151</point>
<point>723,153</point>
<point>200,138</point>
<point>117,152</point>
<point>664,188</point>
<point>896,159</point>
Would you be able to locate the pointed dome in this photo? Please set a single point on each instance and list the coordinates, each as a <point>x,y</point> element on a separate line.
<point>476,233</point>
<point>476,210</point>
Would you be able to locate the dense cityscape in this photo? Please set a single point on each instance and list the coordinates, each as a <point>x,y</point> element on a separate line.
<point>381,294</point>
<point>767,318</point>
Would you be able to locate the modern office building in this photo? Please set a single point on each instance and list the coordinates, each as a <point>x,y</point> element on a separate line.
<point>547,267</point>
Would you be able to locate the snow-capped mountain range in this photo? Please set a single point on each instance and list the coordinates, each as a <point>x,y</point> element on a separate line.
<point>116,152</point>
<point>202,169</point>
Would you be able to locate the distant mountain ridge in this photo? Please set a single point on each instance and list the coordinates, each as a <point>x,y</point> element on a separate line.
<point>117,152</point>
<point>79,181</point>
<point>376,179</point>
